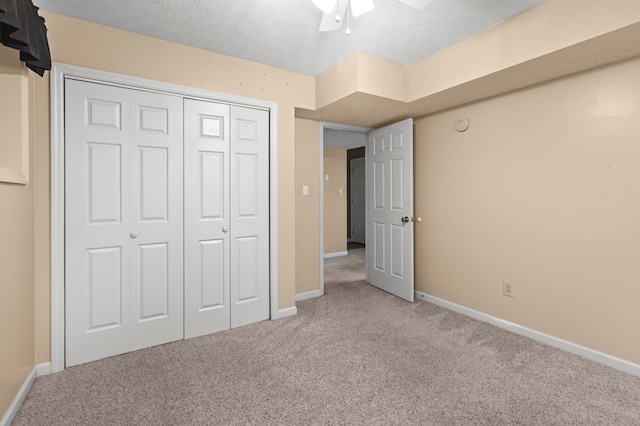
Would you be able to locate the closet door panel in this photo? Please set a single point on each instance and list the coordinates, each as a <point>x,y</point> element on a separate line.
<point>249,215</point>
<point>156,150</point>
<point>207,225</point>
<point>212,261</point>
<point>167,219</point>
<point>96,222</point>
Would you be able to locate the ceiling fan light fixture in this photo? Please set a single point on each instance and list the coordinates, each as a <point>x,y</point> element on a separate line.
<point>360,7</point>
<point>326,6</point>
<point>417,4</point>
<point>348,31</point>
<point>341,10</point>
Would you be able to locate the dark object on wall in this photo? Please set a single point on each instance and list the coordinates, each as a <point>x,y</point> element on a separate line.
<point>23,29</point>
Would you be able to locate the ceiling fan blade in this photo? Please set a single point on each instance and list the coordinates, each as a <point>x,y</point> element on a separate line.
<point>325,5</point>
<point>416,4</point>
<point>360,7</point>
<point>328,22</point>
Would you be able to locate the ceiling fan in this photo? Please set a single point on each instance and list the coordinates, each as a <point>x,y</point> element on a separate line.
<point>335,11</point>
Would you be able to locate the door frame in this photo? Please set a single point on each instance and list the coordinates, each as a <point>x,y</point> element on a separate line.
<point>59,73</point>
<point>335,126</point>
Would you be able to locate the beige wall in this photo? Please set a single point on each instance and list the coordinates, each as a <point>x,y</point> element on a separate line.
<point>16,249</point>
<point>335,205</point>
<point>307,206</point>
<point>541,192</point>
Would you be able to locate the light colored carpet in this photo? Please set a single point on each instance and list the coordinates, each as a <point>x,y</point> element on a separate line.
<point>355,356</point>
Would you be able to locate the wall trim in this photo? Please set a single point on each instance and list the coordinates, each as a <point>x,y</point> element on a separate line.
<point>58,74</point>
<point>284,313</point>
<point>336,254</point>
<point>19,399</point>
<point>37,371</point>
<point>308,295</point>
<point>591,354</point>
<point>43,369</point>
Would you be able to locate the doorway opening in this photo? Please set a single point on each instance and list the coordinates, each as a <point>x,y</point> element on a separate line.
<point>342,196</point>
<point>389,218</point>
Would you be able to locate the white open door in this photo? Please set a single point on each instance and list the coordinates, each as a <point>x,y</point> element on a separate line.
<point>390,208</point>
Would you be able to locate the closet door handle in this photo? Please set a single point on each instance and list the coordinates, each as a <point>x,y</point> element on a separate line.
<point>225,228</point>
<point>135,234</point>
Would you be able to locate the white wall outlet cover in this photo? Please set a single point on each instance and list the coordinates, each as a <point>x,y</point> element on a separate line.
<point>462,124</point>
<point>305,189</point>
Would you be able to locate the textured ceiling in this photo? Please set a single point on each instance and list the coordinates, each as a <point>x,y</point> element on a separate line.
<point>284,33</point>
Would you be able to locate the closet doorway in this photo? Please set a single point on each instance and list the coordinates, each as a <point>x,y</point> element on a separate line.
<point>133,180</point>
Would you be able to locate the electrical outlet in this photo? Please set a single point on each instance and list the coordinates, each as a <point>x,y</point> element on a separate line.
<point>507,289</point>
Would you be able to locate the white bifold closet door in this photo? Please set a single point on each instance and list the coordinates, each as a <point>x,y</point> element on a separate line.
<point>226,216</point>
<point>123,220</point>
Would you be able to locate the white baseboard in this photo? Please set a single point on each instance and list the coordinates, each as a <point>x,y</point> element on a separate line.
<point>593,355</point>
<point>37,371</point>
<point>286,312</point>
<point>308,295</point>
<point>43,369</point>
<point>336,254</point>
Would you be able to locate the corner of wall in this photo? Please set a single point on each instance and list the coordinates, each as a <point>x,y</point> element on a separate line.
<point>337,82</point>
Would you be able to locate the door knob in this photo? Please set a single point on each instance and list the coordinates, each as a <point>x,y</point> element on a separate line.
<point>225,228</point>
<point>135,234</point>
<point>405,219</point>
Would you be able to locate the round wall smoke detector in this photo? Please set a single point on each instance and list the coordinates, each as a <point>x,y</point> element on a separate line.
<point>462,124</point>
